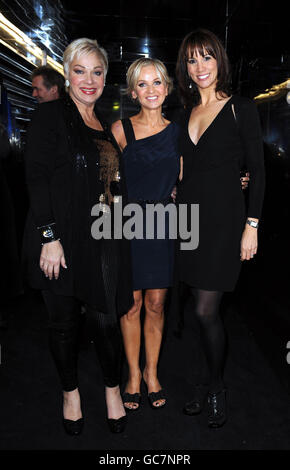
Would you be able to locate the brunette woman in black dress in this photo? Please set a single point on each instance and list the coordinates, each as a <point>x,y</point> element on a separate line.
<point>219,132</point>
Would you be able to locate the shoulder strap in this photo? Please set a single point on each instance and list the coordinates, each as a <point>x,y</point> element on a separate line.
<point>128,130</point>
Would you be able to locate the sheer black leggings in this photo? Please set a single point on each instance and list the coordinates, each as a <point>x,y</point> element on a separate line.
<point>207,305</point>
<point>64,321</point>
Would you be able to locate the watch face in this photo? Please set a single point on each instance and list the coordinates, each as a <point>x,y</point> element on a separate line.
<point>252,223</point>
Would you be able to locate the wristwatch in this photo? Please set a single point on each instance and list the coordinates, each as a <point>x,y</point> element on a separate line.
<point>252,223</point>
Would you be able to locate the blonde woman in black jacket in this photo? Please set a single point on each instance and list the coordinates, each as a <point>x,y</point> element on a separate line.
<point>71,161</point>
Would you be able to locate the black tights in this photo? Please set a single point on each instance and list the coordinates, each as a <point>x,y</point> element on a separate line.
<point>207,305</point>
<point>64,322</point>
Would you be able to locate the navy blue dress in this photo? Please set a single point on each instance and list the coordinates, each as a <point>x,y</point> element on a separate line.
<point>151,168</point>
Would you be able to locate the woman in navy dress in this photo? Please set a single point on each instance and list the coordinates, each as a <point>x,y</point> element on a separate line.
<point>151,163</point>
<point>219,132</point>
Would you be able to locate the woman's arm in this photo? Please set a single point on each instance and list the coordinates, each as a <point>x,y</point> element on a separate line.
<point>249,241</point>
<point>174,190</point>
<point>181,169</point>
<point>40,156</point>
<point>40,161</point>
<point>118,132</point>
<point>252,141</point>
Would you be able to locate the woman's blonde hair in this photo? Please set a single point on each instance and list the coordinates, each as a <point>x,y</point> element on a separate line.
<point>80,47</point>
<point>135,69</point>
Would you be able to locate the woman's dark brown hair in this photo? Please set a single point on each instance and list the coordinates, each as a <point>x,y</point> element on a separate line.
<point>205,42</point>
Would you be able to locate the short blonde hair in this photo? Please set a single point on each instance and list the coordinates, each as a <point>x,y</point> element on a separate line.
<point>84,46</point>
<point>135,69</point>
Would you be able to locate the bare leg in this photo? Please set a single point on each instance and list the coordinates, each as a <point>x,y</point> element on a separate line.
<point>153,330</point>
<point>72,405</point>
<point>115,407</point>
<point>131,331</point>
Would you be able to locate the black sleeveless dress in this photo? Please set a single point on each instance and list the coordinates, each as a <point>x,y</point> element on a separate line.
<point>211,179</point>
<point>151,167</point>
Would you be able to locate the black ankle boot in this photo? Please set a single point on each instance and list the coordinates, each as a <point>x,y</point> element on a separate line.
<point>195,406</point>
<point>217,413</point>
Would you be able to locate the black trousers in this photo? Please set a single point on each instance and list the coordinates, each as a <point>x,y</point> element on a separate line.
<point>64,321</point>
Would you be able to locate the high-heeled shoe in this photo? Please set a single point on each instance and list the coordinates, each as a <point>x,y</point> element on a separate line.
<point>155,396</point>
<point>117,425</point>
<point>217,412</point>
<point>132,398</point>
<point>195,406</point>
<point>73,428</point>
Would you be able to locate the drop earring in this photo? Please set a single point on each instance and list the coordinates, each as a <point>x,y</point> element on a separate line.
<point>190,82</point>
<point>67,83</point>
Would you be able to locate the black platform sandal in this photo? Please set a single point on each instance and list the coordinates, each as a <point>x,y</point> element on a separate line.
<point>132,398</point>
<point>154,396</point>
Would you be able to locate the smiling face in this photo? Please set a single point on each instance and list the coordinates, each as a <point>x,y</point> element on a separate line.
<point>150,89</point>
<point>86,77</point>
<point>202,69</point>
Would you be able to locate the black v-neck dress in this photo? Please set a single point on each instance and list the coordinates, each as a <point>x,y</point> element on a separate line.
<point>211,179</point>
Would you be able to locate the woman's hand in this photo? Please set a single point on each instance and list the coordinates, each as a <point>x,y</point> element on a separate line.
<point>249,243</point>
<point>245,180</point>
<point>173,194</point>
<point>51,257</point>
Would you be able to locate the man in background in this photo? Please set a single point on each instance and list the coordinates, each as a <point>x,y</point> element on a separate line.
<point>47,84</point>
